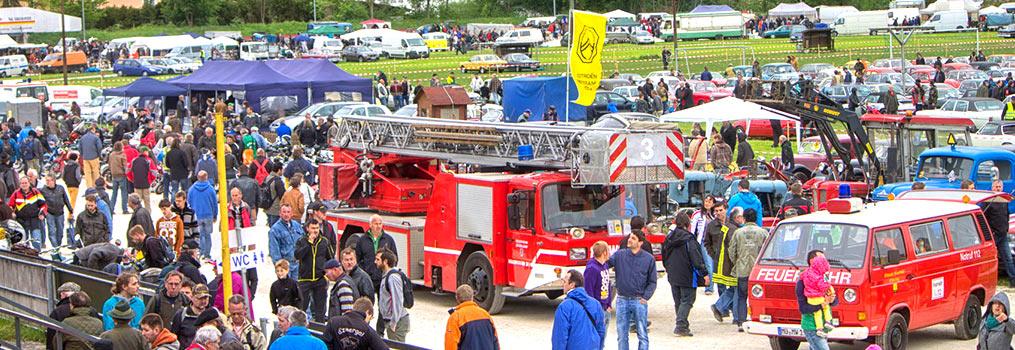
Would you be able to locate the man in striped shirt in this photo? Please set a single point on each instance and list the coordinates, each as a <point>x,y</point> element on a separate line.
<point>342,294</point>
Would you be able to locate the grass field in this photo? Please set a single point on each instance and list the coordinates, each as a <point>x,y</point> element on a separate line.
<point>642,59</point>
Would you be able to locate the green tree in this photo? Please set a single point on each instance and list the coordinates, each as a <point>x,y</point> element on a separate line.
<point>189,12</point>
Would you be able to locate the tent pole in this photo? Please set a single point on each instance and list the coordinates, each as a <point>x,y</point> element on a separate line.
<point>567,74</point>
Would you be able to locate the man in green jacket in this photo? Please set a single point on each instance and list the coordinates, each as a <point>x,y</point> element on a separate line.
<point>744,250</point>
<point>82,319</point>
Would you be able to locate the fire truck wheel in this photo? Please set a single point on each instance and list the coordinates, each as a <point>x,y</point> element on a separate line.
<point>784,343</point>
<point>896,334</point>
<point>479,274</point>
<point>967,326</point>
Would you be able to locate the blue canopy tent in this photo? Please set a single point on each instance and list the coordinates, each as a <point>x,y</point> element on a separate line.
<point>146,86</point>
<point>256,79</point>
<point>539,93</point>
<point>711,8</point>
<point>324,77</point>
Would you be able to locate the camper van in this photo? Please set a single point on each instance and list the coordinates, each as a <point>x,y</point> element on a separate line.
<point>253,50</point>
<point>61,97</point>
<point>710,25</point>
<point>328,46</point>
<point>943,21</point>
<point>192,52</point>
<point>531,36</point>
<point>13,65</point>
<point>861,22</point>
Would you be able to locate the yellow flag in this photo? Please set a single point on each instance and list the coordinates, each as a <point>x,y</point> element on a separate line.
<point>587,54</point>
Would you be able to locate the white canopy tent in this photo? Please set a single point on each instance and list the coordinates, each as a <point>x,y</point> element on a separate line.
<point>991,10</point>
<point>729,109</point>
<point>828,14</point>
<point>970,6</point>
<point>793,10</point>
<point>18,20</point>
<point>6,42</point>
<point>618,13</point>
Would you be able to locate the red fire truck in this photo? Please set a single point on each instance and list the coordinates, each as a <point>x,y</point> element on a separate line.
<point>894,269</point>
<point>506,208</point>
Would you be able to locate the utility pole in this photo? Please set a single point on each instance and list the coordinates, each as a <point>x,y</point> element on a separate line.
<point>84,38</point>
<point>63,37</point>
<point>676,61</point>
<point>315,10</point>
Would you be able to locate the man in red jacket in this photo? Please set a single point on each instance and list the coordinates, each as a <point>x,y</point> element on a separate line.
<point>141,175</point>
<point>29,209</point>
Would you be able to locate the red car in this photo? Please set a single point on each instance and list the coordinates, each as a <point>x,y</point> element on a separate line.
<point>948,67</point>
<point>706,91</point>
<point>761,128</point>
<point>812,154</point>
<point>928,75</point>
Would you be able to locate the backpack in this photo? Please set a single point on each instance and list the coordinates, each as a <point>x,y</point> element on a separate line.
<point>167,251</point>
<point>266,197</point>
<point>28,149</point>
<point>407,298</point>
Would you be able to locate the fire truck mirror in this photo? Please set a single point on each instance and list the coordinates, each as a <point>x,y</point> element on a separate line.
<point>894,257</point>
<point>514,214</point>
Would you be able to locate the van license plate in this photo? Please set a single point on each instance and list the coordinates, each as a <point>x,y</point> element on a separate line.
<point>791,331</point>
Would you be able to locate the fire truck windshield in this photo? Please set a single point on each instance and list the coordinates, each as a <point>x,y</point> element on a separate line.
<point>590,207</point>
<point>791,242</point>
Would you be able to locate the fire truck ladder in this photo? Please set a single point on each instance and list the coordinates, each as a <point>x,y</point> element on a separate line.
<point>593,156</point>
<point>803,100</point>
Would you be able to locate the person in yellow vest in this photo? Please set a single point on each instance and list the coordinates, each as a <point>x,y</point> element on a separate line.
<point>1009,110</point>
<point>718,234</point>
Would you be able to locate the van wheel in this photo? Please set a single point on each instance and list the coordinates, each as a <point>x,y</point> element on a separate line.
<point>479,274</point>
<point>872,33</point>
<point>967,326</point>
<point>959,27</point>
<point>801,175</point>
<point>896,335</point>
<point>778,343</point>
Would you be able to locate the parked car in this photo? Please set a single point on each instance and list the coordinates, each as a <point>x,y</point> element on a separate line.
<point>359,53</point>
<point>948,67</point>
<point>706,91</point>
<point>813,70</point>
<point>367,110</point>
<point>995,133</point>
<point>890,78</point>
<point>840,93</point>
<point>483,64</point>
<point>944,92</point>
<point>623,120</point>
<point>985,66</point>
<point>520,61</point>
<point>409,110</point>
<point>978,109</point>
<point>630,91</point>
<point>966,74</point>
<point>136,67</point>
<point>637,79</point>
<point>969,86</point>
<point>778,71</point>
<point>317,110</point>
<point>605,98</point>
<point>183,64</point>
<point>643,37</point>
<point>1007,31</point>
<point>781,31</point>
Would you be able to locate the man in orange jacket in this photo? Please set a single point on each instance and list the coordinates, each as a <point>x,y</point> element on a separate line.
<point>469,327</point>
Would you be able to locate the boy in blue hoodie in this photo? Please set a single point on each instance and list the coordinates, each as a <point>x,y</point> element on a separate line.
<point>202,199</point>
<point>578,322</point>
<point>746,200</point>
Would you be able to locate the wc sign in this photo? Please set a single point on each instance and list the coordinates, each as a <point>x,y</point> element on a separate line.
<point>247,259</point>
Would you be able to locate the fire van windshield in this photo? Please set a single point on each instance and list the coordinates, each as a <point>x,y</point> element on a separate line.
<point>791,242</point>
<point>591,207</point>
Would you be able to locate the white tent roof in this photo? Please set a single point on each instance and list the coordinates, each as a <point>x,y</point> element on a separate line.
<point>167,42</point>
<point>618,13</point>
<point>991,9</point>
<point>829,14</point>
<point>969,6</point>
<point>6,42</point>
<point>224,41</point>
<point>726,109</point>
<point>1007,5</point>
<point>17,20</point>
<point>793,10</point>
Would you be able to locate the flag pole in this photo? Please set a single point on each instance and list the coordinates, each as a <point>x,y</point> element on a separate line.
<point>567,74</point>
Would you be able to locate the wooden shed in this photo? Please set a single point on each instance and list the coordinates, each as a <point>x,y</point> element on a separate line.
<point>445,102</point>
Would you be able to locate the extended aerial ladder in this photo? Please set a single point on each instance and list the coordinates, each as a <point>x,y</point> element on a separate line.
<point>593,156</point>
<point>801,101</point>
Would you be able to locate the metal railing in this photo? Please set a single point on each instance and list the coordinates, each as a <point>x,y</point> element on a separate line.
<point>20,312</point>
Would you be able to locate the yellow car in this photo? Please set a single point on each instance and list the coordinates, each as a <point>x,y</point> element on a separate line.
<point>436,41</point>
<point>483,64</point>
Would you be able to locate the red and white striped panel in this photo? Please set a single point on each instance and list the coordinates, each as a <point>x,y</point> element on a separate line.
<point>675,154</point>
<point>618,156</point>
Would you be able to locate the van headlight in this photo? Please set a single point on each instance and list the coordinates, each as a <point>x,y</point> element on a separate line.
<point>577,232</point>
<point>578,253</point>
<point>757,291</point>
<point>849,295</point>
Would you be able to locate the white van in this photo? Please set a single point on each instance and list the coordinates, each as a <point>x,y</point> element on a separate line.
<point>61,96</point>
<point>253,50</point>
<point>192,52</point>
<point>13,65</point>
<point>862,22</point>
<point>530,36</point>
<point>943,21</point>
<point>326,45</point>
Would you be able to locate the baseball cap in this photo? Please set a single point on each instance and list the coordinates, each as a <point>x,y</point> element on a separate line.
<point>201,291</point>
<point>190,244</point>
<point>332,264</point>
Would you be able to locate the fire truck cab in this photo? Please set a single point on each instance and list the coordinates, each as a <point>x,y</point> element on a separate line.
<point>894,269</point>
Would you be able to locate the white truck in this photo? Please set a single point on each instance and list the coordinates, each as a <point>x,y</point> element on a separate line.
<point>710,25</point>
<point>253,50</point>
<point>860,22</point>
<point>391,43</point>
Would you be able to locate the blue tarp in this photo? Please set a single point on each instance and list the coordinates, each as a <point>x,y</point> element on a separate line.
<point>711,8</point>
<point>146,86</point>
<point>323,76</point>
<point>536,94</point>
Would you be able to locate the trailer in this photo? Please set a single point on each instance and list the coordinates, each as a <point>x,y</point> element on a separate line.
<point>505,208</point>
<point>709,25</point>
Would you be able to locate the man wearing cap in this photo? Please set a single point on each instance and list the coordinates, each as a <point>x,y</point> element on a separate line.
<point>185,322</point>
<point>524,117</point>
<point>63,308</point>
<point>342,294</point>
<point>188,263</point>
<point>123,336</point>
<point>316,211</point>
<point>313,253</point>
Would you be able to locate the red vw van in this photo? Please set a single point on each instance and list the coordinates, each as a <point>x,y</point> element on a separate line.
<point>923,259</point>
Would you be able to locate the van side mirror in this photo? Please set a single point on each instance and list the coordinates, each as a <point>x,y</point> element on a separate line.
<point>894,257</point>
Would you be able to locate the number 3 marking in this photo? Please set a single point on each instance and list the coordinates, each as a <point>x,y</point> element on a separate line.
<point>649,152</point>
